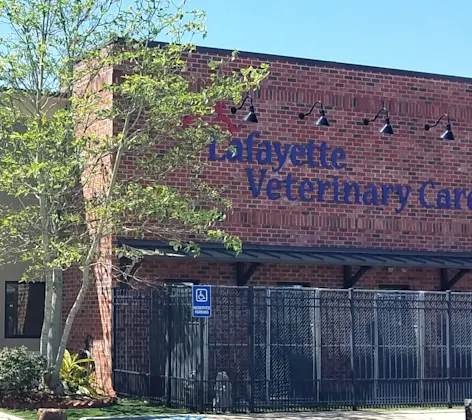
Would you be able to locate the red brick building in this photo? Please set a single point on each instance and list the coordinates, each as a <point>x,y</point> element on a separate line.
<point>332,206</point>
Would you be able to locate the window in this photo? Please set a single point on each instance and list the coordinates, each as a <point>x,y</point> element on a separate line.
<point>292,284</point>
<point>24,309</point>
<point>181,282</point>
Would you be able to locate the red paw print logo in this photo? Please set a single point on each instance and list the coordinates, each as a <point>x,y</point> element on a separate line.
<point>220,116</point>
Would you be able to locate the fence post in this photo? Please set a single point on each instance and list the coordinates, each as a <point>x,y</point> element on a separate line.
<point>251,343</point>
<point>268,349</point>
<point>376,357</point>
<point>421,344</point>
<point>318,343</point>
<point>113,336</point>
<point>151,342</point>
<point>168,291</point>
<point>353,367</point>
<point>448,349</point>
<point>201,387</point>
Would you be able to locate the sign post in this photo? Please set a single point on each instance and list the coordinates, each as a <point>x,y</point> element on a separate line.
<point>201,301</point>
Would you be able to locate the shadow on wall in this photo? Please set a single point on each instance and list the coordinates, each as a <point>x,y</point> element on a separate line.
<point>90,323</point>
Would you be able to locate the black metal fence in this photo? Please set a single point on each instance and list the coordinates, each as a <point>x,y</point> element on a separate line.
<point>293,348</point>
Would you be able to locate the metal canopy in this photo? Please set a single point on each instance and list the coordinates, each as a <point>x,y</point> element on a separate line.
<point>305,255</point>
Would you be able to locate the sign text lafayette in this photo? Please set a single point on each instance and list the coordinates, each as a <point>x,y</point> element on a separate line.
<point>429,194</point>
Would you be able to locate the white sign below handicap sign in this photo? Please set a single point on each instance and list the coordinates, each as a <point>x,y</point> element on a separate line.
<point>201,301</point>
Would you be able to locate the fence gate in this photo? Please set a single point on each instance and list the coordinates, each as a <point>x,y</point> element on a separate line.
<point>293,348</point>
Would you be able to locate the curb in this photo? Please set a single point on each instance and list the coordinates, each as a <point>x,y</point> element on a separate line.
<point>148,417</point>
<point>60,404</point>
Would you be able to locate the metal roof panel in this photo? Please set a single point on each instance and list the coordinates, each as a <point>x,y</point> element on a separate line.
<point>305,255</point>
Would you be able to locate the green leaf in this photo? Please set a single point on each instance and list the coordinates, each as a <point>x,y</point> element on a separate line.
<point>58,145</point>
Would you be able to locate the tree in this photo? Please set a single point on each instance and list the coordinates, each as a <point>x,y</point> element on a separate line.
<point>61,176</point>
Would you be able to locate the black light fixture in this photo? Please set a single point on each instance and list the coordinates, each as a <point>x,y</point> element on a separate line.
<point>322,120</point>
<point>387,128</point>
<point>447,135</point>
<point>251,116</point>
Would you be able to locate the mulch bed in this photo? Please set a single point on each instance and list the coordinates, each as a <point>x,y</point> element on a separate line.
<point>43,400</point>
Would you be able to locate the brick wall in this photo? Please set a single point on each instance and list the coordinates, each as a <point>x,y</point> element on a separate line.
<point>94,318</point>
<point>408,158</point>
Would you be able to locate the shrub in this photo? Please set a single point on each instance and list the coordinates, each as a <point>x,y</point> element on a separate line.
<point>21,371</point>
<point>77,375</point>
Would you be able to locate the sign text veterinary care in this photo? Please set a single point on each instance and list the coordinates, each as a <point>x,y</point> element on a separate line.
<point>429,194</point>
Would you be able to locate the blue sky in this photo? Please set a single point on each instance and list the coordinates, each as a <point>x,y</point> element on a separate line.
<point>424,35</point>
<point>432,36</point>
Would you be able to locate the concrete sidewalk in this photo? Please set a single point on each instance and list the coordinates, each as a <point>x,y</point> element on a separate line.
<point>432,414</point>
<point>5,416</point>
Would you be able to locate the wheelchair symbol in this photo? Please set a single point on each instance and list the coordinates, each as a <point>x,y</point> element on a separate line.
<point>201,295</point>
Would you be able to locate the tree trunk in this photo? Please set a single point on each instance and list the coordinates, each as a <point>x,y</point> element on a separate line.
<point>49,281</point>
<point>52,326</point>
<point>55,383</point>
<point>56,316</point>
<point>43,345</point>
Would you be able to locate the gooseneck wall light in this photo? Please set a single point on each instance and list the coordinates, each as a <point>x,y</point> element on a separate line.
<point>251,116</point>
<point>322,120</point>
<point>447,135</point>
<point>387,128</point>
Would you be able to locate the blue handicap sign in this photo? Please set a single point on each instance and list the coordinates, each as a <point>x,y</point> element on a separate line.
<point>201,301</point>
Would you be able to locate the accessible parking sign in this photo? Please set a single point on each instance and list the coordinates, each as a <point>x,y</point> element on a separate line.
<point>201,301</point>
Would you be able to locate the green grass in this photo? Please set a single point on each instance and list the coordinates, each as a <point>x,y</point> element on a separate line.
<point>127,407</point>
<point>121,408</point>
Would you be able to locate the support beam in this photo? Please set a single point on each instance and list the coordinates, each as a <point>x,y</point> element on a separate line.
<point>444,279</point>
<point>242,275</point>
<point>448,283</point>
<point>458,276</point>
<point>351,279</point>
<point>347,274</point>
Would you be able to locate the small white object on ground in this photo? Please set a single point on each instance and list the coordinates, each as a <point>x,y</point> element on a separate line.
<point>5,416</point>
